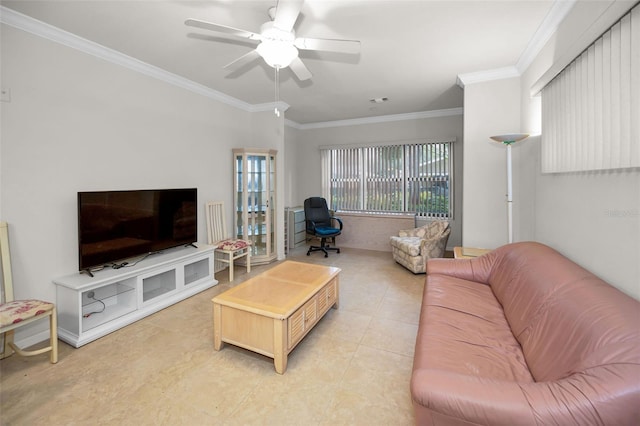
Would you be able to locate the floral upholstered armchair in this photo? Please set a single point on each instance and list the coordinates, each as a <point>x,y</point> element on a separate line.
<point>412,247</point>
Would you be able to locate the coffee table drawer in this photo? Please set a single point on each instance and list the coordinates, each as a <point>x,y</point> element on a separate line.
<point>301,321</point>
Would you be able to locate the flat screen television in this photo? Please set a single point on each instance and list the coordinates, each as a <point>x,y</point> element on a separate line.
<point>117,225</point>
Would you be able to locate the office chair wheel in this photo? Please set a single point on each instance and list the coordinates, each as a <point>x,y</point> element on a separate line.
<point>338,251</point>
<point>326,255</point>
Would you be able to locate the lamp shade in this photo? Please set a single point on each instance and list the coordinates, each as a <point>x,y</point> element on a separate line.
<point>510,138</point>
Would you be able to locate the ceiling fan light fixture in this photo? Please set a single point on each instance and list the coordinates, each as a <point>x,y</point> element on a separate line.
<point>279,45</point>
<point>276,53</point>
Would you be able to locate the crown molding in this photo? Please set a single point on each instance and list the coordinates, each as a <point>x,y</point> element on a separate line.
<point>41,29</point>
<point>292,124</point>
<point>609,16</point>
<point>269,106</point>
<point>558,11</point>
<point>377,119</point>
<point>487,75</point>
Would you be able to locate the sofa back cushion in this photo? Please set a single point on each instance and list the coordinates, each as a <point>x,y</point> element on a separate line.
<point>566,319</point>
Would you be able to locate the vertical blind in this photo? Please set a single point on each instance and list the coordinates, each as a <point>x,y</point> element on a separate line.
<point>591,110</point>
<point>415,178</point>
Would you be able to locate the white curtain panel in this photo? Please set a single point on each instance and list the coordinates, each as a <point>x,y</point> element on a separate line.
<point>591,110</point>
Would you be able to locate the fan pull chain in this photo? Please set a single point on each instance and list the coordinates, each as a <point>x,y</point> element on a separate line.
<point>277,79</point>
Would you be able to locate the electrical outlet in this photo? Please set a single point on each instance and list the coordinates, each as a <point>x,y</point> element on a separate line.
<point>5,95</point>
<point>90,294</point>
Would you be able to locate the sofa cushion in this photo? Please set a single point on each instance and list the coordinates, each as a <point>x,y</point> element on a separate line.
<point>566,319</point>
<point>327,231</point>
<point>21,310</point>
<point>466,332</point>
<point>408,245</point>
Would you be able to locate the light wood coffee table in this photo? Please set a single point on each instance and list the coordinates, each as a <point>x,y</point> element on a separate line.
<point>272,312</point>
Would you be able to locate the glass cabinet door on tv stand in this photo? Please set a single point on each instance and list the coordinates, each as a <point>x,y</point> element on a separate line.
<point>254,201</point>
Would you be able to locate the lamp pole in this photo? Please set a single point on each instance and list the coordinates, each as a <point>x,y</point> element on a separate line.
<point>509,140</point>
<point>509,192</point>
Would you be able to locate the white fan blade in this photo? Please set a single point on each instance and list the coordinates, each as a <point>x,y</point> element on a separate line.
<point>330,45</point>
<point>222,29</point>
<point>300,70</point>
<point>242,60</point>
<point>287,12</point>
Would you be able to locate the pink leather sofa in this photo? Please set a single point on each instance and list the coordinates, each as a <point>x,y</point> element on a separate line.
<point>524,336</point>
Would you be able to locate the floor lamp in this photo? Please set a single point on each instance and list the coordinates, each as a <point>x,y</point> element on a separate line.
<point>508,140</point>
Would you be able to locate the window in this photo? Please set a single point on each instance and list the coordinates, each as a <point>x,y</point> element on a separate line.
<point>591,110</point>
<point>414,178</point>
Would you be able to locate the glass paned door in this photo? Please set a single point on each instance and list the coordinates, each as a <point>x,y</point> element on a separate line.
<point>271,203</point>
<point>255,202</point>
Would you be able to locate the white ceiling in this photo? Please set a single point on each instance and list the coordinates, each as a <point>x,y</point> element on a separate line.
<point>412,50</point>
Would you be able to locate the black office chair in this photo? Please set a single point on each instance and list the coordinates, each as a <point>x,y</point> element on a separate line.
<point>319,223</point>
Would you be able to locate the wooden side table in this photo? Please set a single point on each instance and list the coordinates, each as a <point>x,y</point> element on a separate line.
<point>468,252</point>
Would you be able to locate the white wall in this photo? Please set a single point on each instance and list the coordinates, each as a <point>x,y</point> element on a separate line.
<point>77,123</point>
<point>268,133</point>
<point>490,108</point>
<point>291,177</point>
<point>591,217</point>
<point>308,144</point>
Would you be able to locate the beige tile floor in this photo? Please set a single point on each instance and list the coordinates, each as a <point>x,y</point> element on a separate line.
<point>353,368</point>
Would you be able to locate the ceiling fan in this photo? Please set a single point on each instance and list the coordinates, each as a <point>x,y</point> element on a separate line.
<point>277,41</point>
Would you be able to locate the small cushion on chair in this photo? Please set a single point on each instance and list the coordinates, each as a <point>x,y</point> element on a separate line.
<point>326,230</point>
<point>233,245</point>
<point>21,310</point>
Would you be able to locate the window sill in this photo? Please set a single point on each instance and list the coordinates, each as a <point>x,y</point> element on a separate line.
<point>373,214</point>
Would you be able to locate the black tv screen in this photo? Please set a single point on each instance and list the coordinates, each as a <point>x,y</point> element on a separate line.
<point>117,225</point>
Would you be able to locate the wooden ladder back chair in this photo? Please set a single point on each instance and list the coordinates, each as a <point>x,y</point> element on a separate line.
<point>18,313</point>
<point>217,236</point>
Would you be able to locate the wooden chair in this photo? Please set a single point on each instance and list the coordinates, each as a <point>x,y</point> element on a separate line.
<point>17,313</point>
<point>218,237</point>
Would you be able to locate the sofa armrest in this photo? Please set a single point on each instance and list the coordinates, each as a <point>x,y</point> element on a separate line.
<point>431,248</point>
<point>603,395</point>
<point>476,269</point>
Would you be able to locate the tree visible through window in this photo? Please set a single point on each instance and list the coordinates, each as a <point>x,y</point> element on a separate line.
<point>414,178</point>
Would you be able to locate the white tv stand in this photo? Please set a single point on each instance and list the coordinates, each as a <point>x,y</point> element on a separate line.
<point>129,293</point>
